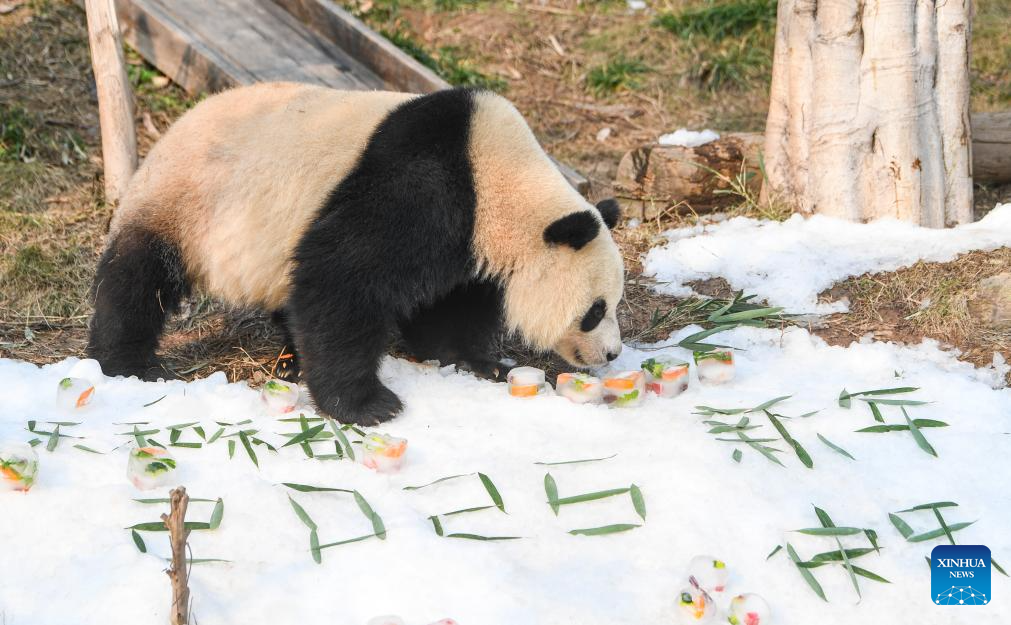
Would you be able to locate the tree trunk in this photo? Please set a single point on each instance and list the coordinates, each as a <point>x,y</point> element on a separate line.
<point>869,111</point>
<point>115,102</point>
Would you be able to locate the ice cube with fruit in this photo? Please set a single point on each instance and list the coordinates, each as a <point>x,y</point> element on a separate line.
<point>383,452</point>
<point>749,609</point>
<point>715,366</point>
<point>666,376</point>
<point>581,388</point>
<point>74,393</point>
<point>19,464</point>
<point>624,389</point>
<point>525,381</point>
<point>150,467</point>
<point>279,396</point>
<point>709,573</point>
<point>696,606</point>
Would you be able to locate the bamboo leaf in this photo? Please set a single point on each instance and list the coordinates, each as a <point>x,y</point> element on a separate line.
<point>849,568</point>
<point>876,412</point>
<point>774,551</point>
<point>553,464</point>
<point>217,514</point>
<point>54,439</point>
<point>437,524</point>
<point>138,436</point>
<point>802,454</point>
<point>305,488</point>
<point>87,449</point>
<point>998,567</point>
<point>872,537</point>
<point>921,440</point>
<point>174,436</point>
<point>830,531</point>
<point>881,391</point>
<point>314,547</point>
<point>483,538</point>
<point>466,510</point>
<point>149,404</point>
<point>348,541</point>
<point>339,433</point>
<point>305,436</point>
<point>602,494</point>
<point>441,479</point>
<point>551,490</point>
<point>808,577</point>
<point>159,526</point>
<point>745,315</point>
<point>835,447</point>
<point>869,575</point>
<point>200,432</point>
<point>736,455</point>
<point>492,491</point>
<point>249,448</point>
<point>844,399</point>
<point>139,541</point>
<point>377,523</point>
<point>606,529</point>
<point>637,501</point>
<point>954,527</point>
<point>931,506</point>
<point>900,525</point>
<point>231,448</point>
<point>216,435</point>
<point>823,517</point>
<point>768,404</point>
<point>187,445</point>
<point>302,514</point>
<point>895,402</point>
<point>836,556</point>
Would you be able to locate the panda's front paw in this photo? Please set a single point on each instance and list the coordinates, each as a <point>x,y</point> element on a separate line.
<point>487,369</point>
<point>377,407</point>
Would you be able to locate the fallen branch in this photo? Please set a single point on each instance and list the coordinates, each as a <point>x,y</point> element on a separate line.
<point>175,521</point>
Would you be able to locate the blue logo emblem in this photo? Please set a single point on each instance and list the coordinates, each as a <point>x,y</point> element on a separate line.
<point>960,575</point>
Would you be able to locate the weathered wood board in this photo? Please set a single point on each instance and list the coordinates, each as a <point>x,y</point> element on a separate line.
<point>210,45</point>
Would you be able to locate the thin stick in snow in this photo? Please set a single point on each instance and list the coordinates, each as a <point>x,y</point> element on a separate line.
<point>175,521</point>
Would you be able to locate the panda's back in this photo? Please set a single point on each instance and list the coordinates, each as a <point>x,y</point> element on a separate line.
<point>236,181</point>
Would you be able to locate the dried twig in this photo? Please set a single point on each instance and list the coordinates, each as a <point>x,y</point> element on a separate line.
<point>175,521</point>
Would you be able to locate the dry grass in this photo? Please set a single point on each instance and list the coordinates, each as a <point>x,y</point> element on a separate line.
<point>923,300</point>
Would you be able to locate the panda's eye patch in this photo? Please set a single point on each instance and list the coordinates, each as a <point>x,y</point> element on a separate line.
<point>593,316</point>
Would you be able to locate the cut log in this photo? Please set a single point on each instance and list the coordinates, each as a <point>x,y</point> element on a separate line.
<point>991,147</point>
<point>115,99</point>
<point>655,177</point>
<point>652,178</point>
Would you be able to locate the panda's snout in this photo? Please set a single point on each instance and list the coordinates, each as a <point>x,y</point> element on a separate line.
<point>611,356</point>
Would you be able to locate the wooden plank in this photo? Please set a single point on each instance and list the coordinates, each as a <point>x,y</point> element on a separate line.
<point>399,71</point>
<point>991,147</point>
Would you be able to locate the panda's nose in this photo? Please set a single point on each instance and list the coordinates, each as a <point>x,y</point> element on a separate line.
<point>611,356</point>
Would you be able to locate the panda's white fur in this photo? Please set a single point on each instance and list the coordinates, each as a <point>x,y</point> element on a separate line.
<point>236,184</point>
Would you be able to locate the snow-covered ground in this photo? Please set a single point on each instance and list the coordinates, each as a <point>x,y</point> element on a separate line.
<point>788,263</point>
<point>65,556</point>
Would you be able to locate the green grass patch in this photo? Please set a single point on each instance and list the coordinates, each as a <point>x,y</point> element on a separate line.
<point>991,56</point>
<point>618,74</point>
<point>719,20</point>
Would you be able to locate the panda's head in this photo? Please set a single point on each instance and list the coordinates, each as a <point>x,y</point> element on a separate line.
<point>561,272</point>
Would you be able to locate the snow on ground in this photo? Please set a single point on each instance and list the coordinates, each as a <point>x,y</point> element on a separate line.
<point>788,263</point>
<point>688,138</point>
<point>66,558</point>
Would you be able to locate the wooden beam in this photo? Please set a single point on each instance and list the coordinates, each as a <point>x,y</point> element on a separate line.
<point>991,147</point>
<point>115,100</point>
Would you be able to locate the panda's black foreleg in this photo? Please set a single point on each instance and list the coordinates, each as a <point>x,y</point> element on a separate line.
<point>287,366</point>
<point>341,341</point>
<point>140,281</point>
<point>459,328</point>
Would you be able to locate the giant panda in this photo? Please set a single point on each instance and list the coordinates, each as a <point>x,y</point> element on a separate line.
<point>356,217</point>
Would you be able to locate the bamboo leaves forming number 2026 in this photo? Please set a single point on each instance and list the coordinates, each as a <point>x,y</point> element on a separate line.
<point>876,398</point>
<point>556,502</point>
<point>315,548</point>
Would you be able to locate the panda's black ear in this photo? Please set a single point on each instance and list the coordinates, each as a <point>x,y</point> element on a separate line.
<point>574,230</point>
<point>610,211</point>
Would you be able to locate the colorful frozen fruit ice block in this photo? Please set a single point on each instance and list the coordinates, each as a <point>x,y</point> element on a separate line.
<point>279,396</point>
<point>715,367</point>
<point>580,388</point>
<point>709,573</point>
<point>667,377</point>
<point>624,389</point>
<point>19,464</point>
<point>150,467</point>
<point>749,609</point>
<point>525,381</point>
<point>73,393</point>
<point>695,606</point>
<point>382,452</point>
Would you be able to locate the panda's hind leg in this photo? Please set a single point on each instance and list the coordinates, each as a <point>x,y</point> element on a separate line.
<point>140,281</point>
<point>459,328</point>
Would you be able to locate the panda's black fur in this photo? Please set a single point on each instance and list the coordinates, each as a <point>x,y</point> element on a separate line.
<point>388,252</point>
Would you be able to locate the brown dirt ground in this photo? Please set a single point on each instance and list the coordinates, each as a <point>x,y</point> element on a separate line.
<point>52,217</point>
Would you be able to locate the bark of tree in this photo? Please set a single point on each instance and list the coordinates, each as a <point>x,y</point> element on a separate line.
<point>869,110</point>
<point>115,102</point>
